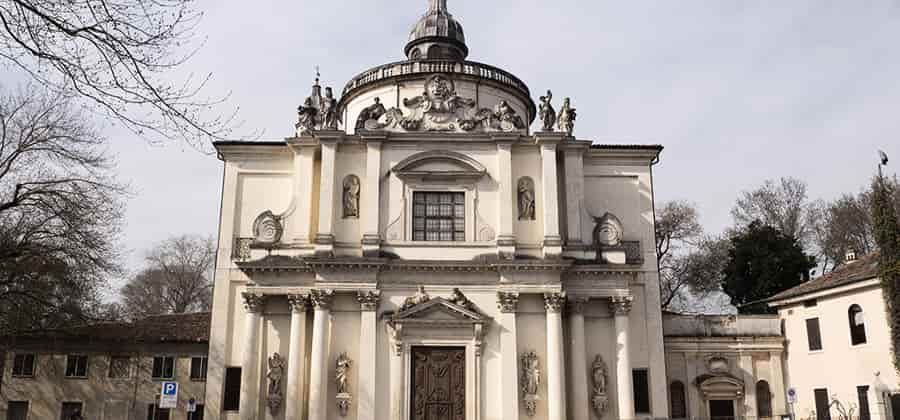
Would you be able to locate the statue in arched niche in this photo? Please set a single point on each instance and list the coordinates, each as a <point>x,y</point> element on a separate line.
<point>526,198</point>
<point>351,197</point>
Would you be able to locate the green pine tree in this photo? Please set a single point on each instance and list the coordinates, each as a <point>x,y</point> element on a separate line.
<point>887,235</point>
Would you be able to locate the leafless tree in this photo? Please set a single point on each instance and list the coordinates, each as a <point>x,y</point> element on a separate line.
<point>60,211</point>
<point>177,279</point>
<point>120,57</point>
<point>781,204</point>
<point>689,263</point>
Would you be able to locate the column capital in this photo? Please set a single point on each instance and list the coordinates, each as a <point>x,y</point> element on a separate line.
<point>555,302</point>
<point>254,302</point>
<point>620,305</point>
<point>508,302</point>
<point>321,298</point>
<point>299,303</point>
<point>368,300</point>
<point>575,304</point>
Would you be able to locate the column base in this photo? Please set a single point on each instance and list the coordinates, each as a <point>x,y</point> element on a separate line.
<point>552,247</point>
<point>324,245</point>
<point>506,247</point>
<point>371,245</point>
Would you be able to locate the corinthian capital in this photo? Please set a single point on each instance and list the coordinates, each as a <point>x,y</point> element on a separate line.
<point>254,302</point>
<point>321,298</point>
<point>368,300</point>
<point>507,302</point>
<point>620,305</point>
<point>299,303</point>
<point>555,302</point>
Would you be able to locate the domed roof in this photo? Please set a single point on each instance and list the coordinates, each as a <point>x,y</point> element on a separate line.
<point>437,34</point>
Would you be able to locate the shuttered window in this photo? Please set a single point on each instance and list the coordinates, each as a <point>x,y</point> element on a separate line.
<point>862,394</point>
<point>823,411</point>
<point>813,335</point>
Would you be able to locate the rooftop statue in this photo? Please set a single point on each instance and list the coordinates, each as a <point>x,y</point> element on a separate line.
<point>547,113</point>
<point>371,112</point>
<point>566,118</point>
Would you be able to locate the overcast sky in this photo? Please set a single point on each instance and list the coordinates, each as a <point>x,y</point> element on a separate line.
<point>737,91</point>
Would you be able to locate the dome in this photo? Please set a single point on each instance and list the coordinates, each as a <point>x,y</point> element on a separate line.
<point>437,35</point>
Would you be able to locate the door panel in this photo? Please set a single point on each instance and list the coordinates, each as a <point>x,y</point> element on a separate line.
<point>438,383</point>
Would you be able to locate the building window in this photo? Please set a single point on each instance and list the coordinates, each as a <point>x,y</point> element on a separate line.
<point>23,365</point>
<point>813,335</point>
<point>197,414</point>
<point>17,410</point>
<point>70,409</point>
<point>811,303</point>
<point>679,407</point>
<point>857,325</point>
<point>156,413</point>
<point>163,367</point>
<point>641,390</point>
<point>198,368</point>
<point>823,408</point>
<point>119,367</point>
<point>76,366</point>
<point>763,399</point>
<point>231,401</point>
<point>862,394</point>
<point>439,216</point>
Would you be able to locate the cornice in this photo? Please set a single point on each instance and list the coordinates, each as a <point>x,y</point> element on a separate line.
<point>234,150</point>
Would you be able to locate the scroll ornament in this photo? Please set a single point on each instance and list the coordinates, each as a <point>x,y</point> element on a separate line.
<point>267,229</point>
<point>531,380</point>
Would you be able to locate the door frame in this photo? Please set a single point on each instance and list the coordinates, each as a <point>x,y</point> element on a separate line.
<point>473,372</point>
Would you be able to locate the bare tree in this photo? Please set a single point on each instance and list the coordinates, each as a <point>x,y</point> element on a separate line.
<point>689,263</point>
<point>177,279</point>
<point>117,55</point>
<point>781,204</point>
<point>60,212</point>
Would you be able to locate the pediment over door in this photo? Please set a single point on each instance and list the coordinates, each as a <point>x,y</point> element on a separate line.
<point>438,314</point>
<point>439,164</point>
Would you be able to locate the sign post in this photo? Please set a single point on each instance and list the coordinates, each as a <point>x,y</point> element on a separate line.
<point>168,395</point>
<point>792,398</point>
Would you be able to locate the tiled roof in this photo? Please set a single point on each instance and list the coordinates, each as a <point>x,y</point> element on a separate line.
<point>863,269</point>
<point>177,328</point>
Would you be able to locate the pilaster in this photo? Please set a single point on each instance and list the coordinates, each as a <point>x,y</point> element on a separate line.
<point>507,303</point>
<point>325,236</point>
<point>578,368</point>
<point>304,168</point>
<point>779,393</point>
<point>552,246</point>
<point>371,193</point>
<point>556,392</point>
<point>746,364</point>
<point>254,305</point>
<point>620,306</point>
<point>574,182</point>
<point>368,305</point>
<point>506,238</point>
<point>294,400</point>
<point>318,388</point>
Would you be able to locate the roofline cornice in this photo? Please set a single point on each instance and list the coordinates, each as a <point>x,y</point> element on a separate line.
<point>845,288</point>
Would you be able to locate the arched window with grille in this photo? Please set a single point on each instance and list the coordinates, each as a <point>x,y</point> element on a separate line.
<point>677,400</point>
<point>857,325</point>
<point>763,400</point>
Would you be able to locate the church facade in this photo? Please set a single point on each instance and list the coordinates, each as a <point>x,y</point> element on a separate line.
<point>417,251</point>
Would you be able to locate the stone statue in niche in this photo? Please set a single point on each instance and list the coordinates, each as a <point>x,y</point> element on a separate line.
<point>608,231</point>
<point>566,118</point>
<point>526,198</point>
<point>267,229</point>
<point>599,400</point>
<point>546,112</point>
<point>531,381</point>
<point>328,111</point>
<point>276,373</point>
<point>341,380</point>
<point>420,297</point>
<point>351,197</point>
<point>371,112</point>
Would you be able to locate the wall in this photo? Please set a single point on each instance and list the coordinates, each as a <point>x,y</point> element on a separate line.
<point>845,366</point>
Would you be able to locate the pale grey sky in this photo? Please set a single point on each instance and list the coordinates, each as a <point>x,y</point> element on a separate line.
<point>737,91</point>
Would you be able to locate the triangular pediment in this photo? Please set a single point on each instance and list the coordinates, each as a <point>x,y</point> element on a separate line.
<point>439,309</point>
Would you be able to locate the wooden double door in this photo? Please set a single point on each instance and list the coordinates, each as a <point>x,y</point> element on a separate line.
<point>438,383</point>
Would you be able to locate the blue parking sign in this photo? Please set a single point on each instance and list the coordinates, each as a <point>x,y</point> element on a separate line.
<point>168,396</point>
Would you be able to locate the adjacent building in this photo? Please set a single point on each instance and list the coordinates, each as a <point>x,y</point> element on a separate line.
<point>837,342</point>
<point>110,371</point>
